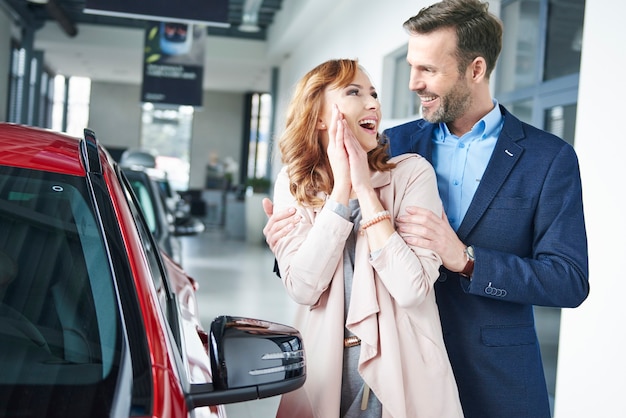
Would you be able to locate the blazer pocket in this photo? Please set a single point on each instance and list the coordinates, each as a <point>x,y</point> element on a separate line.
<point>503,336</point>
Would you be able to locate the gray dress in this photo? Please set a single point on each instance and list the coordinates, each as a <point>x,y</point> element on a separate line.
<point>352,384</point>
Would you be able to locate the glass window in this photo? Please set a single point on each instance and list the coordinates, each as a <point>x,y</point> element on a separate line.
<point>58,104</point>
<point>402,104</point>
<point>59,318</point>
<point>523,110</point>
<point>44,102</point>
<point>531,54</point>
<point>258,146</point>
<point>78,105</point>
<point>47,96</point>
<point>521,46</point>
<point>564,38</point>
<point>167,133</point>
<point>408,103</point>
<point>561,121</point>
<point>16,93</point>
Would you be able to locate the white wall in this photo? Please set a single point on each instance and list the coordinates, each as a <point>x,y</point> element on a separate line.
<point>367,32</point>
<point>218,129</point>
<point>115,114</point>
<point>591,369</point>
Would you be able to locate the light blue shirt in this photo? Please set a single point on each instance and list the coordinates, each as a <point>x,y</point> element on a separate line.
<point>461,162</point>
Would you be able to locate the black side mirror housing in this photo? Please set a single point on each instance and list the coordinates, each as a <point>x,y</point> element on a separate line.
<point>250,359</point>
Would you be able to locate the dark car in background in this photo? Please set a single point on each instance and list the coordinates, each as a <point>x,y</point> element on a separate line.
<point>167,213</point>
<point>95,319</point>
<point>160,220</point>
<point>178,207</point>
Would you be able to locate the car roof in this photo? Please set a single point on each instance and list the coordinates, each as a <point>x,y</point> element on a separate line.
<point>39,149</point>
<point>138,157</point>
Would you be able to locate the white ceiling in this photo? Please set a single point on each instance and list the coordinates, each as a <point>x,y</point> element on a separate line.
<point>116,55</point>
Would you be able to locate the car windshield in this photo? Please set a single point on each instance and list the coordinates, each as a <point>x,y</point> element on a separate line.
<point>60,330</point>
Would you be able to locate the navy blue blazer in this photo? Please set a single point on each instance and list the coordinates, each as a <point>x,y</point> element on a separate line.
<point>527,227</point>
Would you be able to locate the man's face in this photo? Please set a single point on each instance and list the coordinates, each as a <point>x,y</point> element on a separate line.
<point>444,93</point>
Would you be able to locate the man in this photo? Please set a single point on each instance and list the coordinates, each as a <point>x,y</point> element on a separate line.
<point>514,235</point>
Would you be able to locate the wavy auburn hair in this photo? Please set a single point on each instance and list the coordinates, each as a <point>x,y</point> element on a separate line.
<point>300,145</point>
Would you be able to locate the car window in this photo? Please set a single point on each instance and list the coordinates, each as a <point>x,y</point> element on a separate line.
<point>143,195</point>
<point>60,327</point>
<point>151,250</point>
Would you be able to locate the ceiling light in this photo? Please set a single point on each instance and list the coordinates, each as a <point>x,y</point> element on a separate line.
<point>250,18</point>
<point>249,25</point>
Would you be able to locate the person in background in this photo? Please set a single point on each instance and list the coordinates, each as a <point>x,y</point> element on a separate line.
<point>367,308</point>
<point>513,234</point>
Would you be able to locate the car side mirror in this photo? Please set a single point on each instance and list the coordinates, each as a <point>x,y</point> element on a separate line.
<point>250,359</point>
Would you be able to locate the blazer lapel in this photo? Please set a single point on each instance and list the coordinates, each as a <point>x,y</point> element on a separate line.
<point>505,155</point>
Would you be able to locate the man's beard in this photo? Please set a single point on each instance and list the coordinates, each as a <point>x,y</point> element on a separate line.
<point>452,106</point>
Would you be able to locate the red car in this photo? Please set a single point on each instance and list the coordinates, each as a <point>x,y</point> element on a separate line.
<point>94,320</point>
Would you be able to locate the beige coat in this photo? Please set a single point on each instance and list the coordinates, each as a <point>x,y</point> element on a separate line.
<point>392,309</point>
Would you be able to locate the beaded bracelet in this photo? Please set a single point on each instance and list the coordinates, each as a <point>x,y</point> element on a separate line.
<point>380,216</point>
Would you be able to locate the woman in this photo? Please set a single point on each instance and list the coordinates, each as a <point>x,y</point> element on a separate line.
<point>367,310</point>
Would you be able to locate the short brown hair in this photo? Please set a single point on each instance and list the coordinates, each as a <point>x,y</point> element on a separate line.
<point>478,32</point>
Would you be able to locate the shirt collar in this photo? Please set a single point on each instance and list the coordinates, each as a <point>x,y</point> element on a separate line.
<point>482,129</point>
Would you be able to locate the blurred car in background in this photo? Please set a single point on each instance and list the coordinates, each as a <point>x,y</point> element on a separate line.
<point>186,223</point>
<point>95,319</point>
<point>159,219</point>
<point>179,210</point>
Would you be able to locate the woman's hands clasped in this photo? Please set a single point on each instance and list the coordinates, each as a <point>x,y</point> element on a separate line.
<point>348,159</point>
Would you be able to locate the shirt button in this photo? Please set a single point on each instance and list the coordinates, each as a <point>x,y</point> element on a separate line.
<point>455,182</point>
<point>461,145</point>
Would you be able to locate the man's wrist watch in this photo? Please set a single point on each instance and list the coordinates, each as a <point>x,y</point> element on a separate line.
<point>468,270</point>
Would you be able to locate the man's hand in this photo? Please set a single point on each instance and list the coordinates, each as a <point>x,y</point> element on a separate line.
<point>422,228</point>
<point>278,224</point>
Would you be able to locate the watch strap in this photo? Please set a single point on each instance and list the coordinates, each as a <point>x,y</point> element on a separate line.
<point>468,270</point>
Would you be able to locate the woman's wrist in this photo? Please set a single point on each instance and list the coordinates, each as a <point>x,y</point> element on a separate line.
<point>341,194</point>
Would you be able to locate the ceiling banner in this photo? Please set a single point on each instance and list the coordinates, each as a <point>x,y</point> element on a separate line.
<point>173,63</point>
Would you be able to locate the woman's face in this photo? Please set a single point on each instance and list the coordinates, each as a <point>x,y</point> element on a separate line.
<point>358,102</point>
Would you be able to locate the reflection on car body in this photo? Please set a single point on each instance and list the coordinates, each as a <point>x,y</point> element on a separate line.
<point>95,320</point>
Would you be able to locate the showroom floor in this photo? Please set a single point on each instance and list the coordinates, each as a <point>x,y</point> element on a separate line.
<point>236,278</point>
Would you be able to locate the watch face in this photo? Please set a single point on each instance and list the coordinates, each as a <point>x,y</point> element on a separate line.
<point>470,252</point>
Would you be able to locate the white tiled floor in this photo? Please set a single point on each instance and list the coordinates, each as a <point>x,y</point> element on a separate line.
<point>236,279</point>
